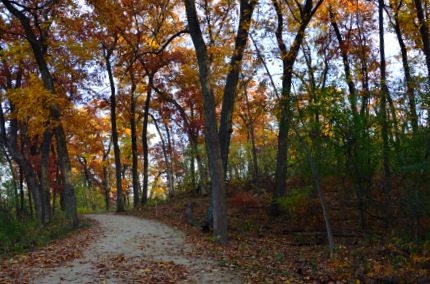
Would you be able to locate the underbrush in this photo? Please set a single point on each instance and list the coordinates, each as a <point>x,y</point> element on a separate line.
<point>292,247</point>
<point>18,236</point>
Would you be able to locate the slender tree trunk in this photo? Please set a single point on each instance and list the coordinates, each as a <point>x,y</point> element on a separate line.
<point>21,192</point>
<point>346,67</point>
<point>288,60</point>
<point>45,176</point>
<point>30,202</point>
<point>134,154</point>
<point>166,157</point>
<point>34,187</point>
<point>317,185</point>
<point>66,174</point>
<point>424,31</point>
<point>23,162</point>
<point>230,88</point>
<point>14,184</point>
<point>353,146</point>
<point>106,190</point>
<point>117,153</point>
<point>171,175</point>
<point>250,127</point>
<point>193,169</point>
<point>145,140</point>
<point>410,89</point>
<point>213,148</point>
<point>203,181</point>
<point>384,94</point>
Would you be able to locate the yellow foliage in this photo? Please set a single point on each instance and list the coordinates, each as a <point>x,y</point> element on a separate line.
<point>32,105</point>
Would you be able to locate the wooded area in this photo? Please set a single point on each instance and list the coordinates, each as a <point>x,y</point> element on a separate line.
<point>302,117</point>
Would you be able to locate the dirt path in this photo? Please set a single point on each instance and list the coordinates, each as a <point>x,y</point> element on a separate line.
<point>128,246</point>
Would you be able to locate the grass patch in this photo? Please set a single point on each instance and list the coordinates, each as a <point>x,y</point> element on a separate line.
<point>19,236</point>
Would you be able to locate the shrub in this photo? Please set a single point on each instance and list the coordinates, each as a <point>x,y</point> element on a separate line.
<point>295,202</point>
<point>243,201</point>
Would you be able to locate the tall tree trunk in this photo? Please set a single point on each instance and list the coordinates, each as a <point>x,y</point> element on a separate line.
<point>166,157</point>
<point>14,184</point>
<point>145,139</point>
<point>230,88</point>
<point>106,190</point>
<point>27,169</point>
<point>250,127</point>
<point>134,154</point>
<point>45,176</point>
<point>384,94</point>
<point>346,66</point>
<point>21,192</point>
<point>117,153</point>
<point>353,146</point>
<point>39,48</point>
<point>424,31</point>
<point>288,60</point>
<point>317,185</point>
<point>171,175</point>
<point>213,148</point>
<point>203,181</point>
<point>410,89</point>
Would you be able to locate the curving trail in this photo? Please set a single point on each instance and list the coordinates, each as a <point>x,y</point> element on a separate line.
<point>138,241</point>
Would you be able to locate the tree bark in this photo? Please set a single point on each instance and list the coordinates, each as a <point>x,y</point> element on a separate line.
<point>39,48</point>
<point>213,148</point>
<point>230,88</point>
<point>288,60</point>
<point>410,89</point>
<point>145,139</point>
<point>134,154</point>
<point>45,176</point>
<point>166,157</point>
<point>384,94</point>
<point>346,66</point>
<point>250,126</point>
<point>117,153</point>
<point>171,174</point>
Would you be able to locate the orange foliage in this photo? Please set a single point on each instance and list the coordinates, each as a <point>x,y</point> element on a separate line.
<point>243,200</point>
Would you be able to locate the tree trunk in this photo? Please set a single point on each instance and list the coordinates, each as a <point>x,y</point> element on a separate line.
<point>171,175</point>
<point>21,192</point>
<point>23,162</point>
<point>213,149</point>
<point>166,157</point>
<point>410,90</point>
<point>424,31</point>
<point>145,140</point>
<point>250,127</point>
<point>134,154</point>
<point>288,60</point>
<point>117,153</point>
<point>45,176</point>
<point>39,48</point>
<point>384,94</point>
<point>230,88</point>
<point>346,67</point>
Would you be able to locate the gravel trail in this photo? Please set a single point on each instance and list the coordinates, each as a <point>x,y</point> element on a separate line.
<point>140,240</point>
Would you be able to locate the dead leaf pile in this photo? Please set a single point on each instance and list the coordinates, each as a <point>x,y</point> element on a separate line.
<point>138,270</point>
<point>267,251</point>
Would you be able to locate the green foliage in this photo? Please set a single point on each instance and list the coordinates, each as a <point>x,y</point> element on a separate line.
<point>17,236</point>
<point>89,199</point>
<point>294,201</point>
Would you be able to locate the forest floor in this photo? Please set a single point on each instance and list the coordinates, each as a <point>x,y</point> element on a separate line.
<point>293,249</point>
<point>118,249</point>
